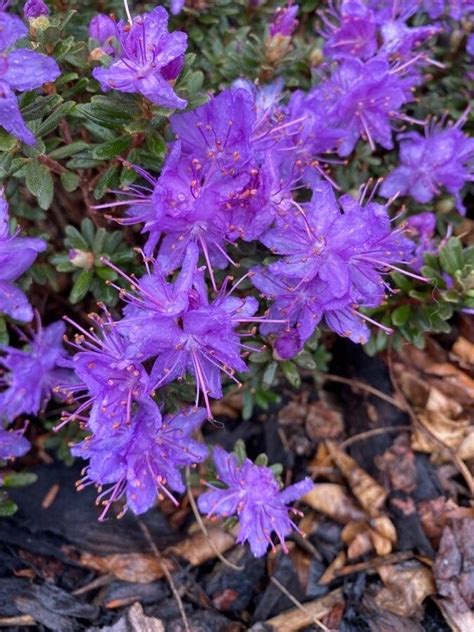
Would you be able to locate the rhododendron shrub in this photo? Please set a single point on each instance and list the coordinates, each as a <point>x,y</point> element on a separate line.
<point>187,209</point>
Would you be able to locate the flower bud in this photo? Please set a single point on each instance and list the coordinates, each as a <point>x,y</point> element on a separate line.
<point>35,9</point>
<point>81,259</point>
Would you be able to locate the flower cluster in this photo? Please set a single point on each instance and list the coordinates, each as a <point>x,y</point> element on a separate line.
<point>254,495</point>
<point>248,171</point>
<point>30,377</point>
<point>148,59</point>
<point>21,69</point>
<point>441,158</point>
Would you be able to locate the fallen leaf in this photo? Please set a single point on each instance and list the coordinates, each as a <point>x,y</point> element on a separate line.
<point>405,588</point>
<point>454,565</point>
<point>449,432</point>
<point>134,621</point>
<point>453,375</point>
<point>458,621</point>
<point>368,492</point>
<point>464,350</point>
<point>297,618</point>
<point>398,465</point>
<point>198,548</point>
<point>323,422</point>
<point>333,501</point>
<point>140,568</point>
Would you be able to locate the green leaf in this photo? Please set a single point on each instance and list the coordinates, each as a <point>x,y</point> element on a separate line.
<point>291,373</point>
<point>240,450</point>
<point>7,508</point>
<point>269,373</point>
<point>261,460</point>
<point>306,361</point>
<point>81,286</point>
<point>19,479</point>
<point>400,315</point>
<point>70,181</point>
<point>450,256</point>
<point>113,148</point>
<point>39,182</point>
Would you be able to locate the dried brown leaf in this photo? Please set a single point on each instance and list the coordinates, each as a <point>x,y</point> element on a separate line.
<point>368,492</point>
<point>198,549</point>
<point>405,588</point>
<point>333,501</point>
<point>140,568</point>
<point>458,621</point>
<point>297,619</point>
<point>449,432</point>
<point>398,464</point>
<point>454,565</point>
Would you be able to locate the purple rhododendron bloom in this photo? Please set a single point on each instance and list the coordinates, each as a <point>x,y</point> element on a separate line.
<point>184,331</point>
<point>362,99</point>
<point>470,45</point>
<point>20,70</point>
<point>143,460</point>
<point>149,59</point>
<point>35,8</point>
<point>110,378</point>
<point>442,158</point>
<point>422,228</point>
<point>254,495</point>
<point>285,22</point>
<point>177,6</point>
<point>104,30</point>
<point>351,31</point>
<point>17,254</point>
<point>219,183</point>
<point>12,444</point>
<point>12,28</point>
<point>32,373</point>
<point>331,263</point>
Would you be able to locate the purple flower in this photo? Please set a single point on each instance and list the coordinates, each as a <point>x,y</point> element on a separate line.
<point>150,58</point>
<point>362,100</point>
<point>104,30</point>
<point>331,263</point>
<point>187,334</point>
<point>144,459</point>
<point>33,372</point>
<point>457,9</point>
<point>254,495</point>
<point>470,45</point>
<point>17,254</point>
<point>12,444</point>
<point>177,6</point>
<point>35,8</point>
<point>422,227</point>
<point>443,157</point>
<point>284,22</point>
<point>110,379</point>
<point>219,182</point>
<point>12,28</point>
<point>20,70</point>
<point>354,34</point>
<point>400,39</point>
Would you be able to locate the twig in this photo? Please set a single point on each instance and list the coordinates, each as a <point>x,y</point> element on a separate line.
<point>355,384</point>
<point>374,563</point>
<point>203,527</point>
<point>100,581</point>
<point>371,433</point>
<point>299,605</point>
<point>24,619</point>
<point>166,573</point>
